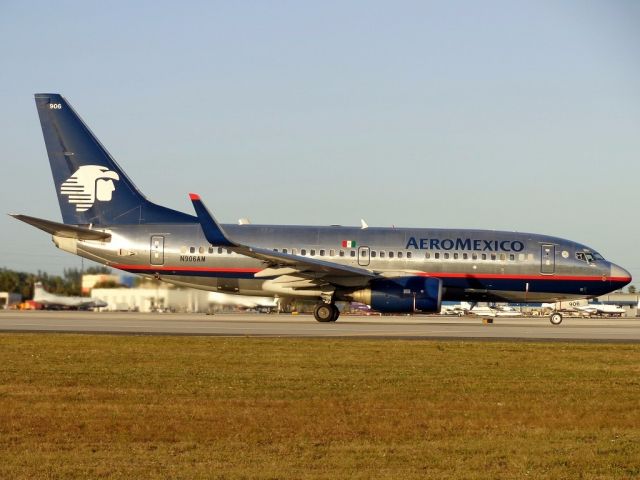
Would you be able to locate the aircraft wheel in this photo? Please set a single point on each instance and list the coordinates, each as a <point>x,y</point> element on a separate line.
<point>555,318</point>
<point>336,313</point>
<point>324,312</point>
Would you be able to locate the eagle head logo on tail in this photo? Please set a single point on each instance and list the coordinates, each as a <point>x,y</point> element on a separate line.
<point>88,184</point>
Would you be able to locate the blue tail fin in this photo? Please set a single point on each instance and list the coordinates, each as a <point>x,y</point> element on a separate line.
<point>91,186</point>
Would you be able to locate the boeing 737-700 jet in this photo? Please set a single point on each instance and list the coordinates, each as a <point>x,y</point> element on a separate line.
<point>395,270</point>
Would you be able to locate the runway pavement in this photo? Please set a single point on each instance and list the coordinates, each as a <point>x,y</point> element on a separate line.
<point>286,325</point>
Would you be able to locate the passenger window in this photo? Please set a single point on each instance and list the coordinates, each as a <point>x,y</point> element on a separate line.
<point>313,252</point>
<point>192,249</point>
<point>303,251</point>
<point>437,255</point>
<point>373,254</point>
<point>399,254</point>
<point>275,249</point>
<point>474,256</point>
<point>493,256</point>
<point>446,255</point>
<point>284,250</point>
<point>322,253</point>
<point>353,253</point>
<point>294,251</point>
<point>210,249</point>
<point>465,256</point>
<point>381,254</point>
<point>201,250</point>
<point>332,253</point>
<point>408,254</point>
<point>455,256</point>
<point>219,250</point>
<point>484,256</point>
<point>427,255</point>
<point>512,257</point>
<point>342,253</point>
<point>390,254</point>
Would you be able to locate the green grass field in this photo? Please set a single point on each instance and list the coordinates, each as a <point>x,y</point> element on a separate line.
<point>83,406</point>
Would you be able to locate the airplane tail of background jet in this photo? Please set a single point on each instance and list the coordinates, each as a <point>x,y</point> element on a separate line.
<point>39,293</point>
<point>91,186</point>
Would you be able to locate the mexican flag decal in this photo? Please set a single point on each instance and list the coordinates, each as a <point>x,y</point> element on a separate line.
<point>349,243</point>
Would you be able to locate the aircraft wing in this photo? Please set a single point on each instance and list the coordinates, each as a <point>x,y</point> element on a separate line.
<point>280,263</point>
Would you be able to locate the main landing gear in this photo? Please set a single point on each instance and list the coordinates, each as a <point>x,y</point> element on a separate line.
<point>555,318</point>
<point>326,312</point>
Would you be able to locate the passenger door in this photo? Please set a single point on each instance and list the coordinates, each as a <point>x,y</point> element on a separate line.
<point>157,250</point>
<point>548,259</point>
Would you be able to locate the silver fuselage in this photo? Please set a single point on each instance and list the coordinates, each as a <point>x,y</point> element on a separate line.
<point>474,265</point>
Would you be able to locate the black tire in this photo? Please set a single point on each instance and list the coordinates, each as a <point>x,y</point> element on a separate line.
<point>324,312</point>
<point>336,313</point>
<point>555,318</point>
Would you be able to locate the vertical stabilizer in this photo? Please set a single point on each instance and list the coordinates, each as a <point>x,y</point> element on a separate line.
<point>91,186</point>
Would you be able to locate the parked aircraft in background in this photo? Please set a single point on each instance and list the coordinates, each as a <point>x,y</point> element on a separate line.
<point>459,309</point>
<point>51,300</point>
<point>603,309</point>
<point>393,270</point>
<point>484,310</point>
<point>566,306</point>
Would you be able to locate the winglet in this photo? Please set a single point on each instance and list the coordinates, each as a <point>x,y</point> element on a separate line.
<point>213,232</point>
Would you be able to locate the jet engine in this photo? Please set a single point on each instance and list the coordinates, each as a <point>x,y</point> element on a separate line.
<point>401,295</point>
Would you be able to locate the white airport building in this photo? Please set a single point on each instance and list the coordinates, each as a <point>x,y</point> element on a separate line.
<point>160,299</point>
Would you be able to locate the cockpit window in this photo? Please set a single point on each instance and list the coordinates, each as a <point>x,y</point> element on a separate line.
<point>588,257</point>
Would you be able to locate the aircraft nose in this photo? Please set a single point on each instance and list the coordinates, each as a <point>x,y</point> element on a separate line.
<point>620,275</point>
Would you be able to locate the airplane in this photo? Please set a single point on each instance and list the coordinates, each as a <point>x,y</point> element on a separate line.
<point>486,310</point>
<point>393,270</point>
<point>51,300</point>
<point>460,309</point>
<point>603,309</point>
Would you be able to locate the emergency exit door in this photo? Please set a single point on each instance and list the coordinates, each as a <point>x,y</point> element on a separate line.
<point>548,259</point>
<point>157,250</point>
<point>363,256</point>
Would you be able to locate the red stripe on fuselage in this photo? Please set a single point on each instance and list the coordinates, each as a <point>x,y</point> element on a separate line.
<point>480,276</point>
<point>157,268</point>
<point>501,276</point>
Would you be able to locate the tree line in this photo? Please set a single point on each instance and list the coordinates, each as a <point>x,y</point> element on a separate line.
<point>70,283</point>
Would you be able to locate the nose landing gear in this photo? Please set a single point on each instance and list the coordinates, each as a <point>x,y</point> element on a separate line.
<point>555,318</point>
<point>326,312</point>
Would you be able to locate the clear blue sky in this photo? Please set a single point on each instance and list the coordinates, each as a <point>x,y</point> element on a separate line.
<point>498,114</point>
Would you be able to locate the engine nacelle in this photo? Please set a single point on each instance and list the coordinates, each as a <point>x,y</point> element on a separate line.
<point>401,295</point>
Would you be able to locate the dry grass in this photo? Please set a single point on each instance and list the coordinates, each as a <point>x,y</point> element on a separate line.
<point>81,406</point>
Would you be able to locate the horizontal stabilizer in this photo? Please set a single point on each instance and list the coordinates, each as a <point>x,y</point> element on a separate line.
<point>62,230</point>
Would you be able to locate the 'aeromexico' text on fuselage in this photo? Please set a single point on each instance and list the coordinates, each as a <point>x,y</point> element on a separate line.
<point>474,244</point>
